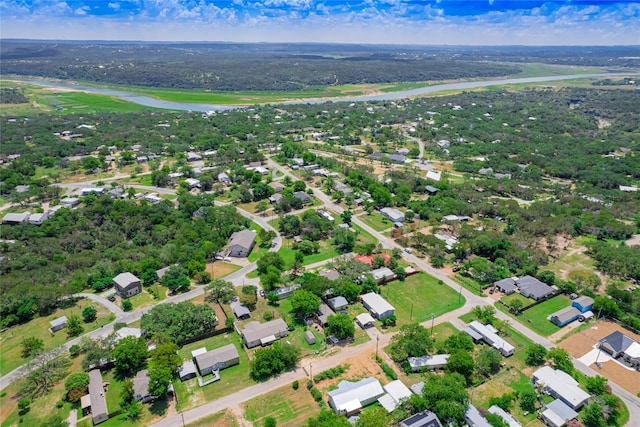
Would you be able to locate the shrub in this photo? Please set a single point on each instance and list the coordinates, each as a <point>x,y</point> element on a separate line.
<point>23,404</point>
<point>127,305</point>
<point>389,372</point>
<point>309,384</point>
<point>331,373</point>
<point>295,385</point>
<point>316,394</point>
<point>74,350</point>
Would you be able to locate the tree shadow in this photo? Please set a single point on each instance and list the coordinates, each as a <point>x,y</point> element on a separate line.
<point>159,407</point>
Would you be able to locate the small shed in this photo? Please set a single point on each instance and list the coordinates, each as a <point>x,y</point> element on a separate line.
<point>310,338</point>
<point>365,320</point>
<point>583,303</point>
<point>57,324</point>
<point>338,303</point>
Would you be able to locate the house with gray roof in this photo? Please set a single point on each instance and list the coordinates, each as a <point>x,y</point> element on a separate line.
<point>583,303</point>
<point>97,399</point>
<point>286,291</point>
<point>275,198</point>
<point>277,186</point>
<point>331,274</point>
<point>377,306</point>
<point>38,218</point>
<point>302,196</point>
<point>565,316</point>
<point>256,333</point>
<point>506,286</point>
<point>619,345</point>
<point>557,413</point>
<point>187,370</point>
<point>16,218</point>
<point>241,244</point>
<point>422,419</point>
<point>223,178</point>
<point>533,288</point>
<point>58,323</point>
<point>323,313</point>
<point>431,190</point>
<point>383,274</point>
<point>70,202</point>
<point>127,285</point>
<point>141,387</point>
<point>338,303</point>
<point>562,386</point>
<point>365,320</point>
<point>393,214</point>
<point>239,310</point>
<point>216,360</point>
<point>350,397</point>
<point>397,158</point>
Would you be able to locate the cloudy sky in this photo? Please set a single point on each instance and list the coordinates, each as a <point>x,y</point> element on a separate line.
<point>471,22</point>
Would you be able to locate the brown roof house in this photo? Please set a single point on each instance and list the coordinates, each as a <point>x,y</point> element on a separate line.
<point>127,285</point>
<point>241,243</point>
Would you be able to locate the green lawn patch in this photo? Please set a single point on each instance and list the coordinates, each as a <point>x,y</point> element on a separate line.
<point>219,419</point>
<point>327,251</point>
<point>11,339</point>
<point>288,406</point>
<point>469,284</point>
<point>376,221</point>
<point>507,299</point>
<point>420,296</point>
<point>536,317</point>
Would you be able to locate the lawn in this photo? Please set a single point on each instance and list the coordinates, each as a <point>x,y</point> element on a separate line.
<point>219,419</point>
<point>326,251</point>
<point>144,299</point>
<point>420,296</point>
<point>507,299</point>
<point>469,284</point>
<point>288,406</point>
<point>536,317</point>
<point>11,339</point>
<point>220,269</point>
<point>232,379</point>
<point>376,221</point>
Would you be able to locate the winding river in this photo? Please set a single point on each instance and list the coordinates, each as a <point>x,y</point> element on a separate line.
<point>172,105</point>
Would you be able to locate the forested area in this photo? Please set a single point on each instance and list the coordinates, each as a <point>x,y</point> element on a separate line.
<point>87,247</point>
<point>237,67</point>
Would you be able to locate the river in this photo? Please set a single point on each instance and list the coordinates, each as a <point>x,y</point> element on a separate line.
<point>172,105</point>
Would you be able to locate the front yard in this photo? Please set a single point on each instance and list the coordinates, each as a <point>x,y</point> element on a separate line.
<point>419,297</point>
<point>536,318</point>
<point>288,406</point>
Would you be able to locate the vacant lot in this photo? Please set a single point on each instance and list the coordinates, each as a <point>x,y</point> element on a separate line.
<point>11,339</point>
<point>219,419</point>
<point>420,296</point>
<point>288,406</point>
<point>583,342</point>
<point>376,221</point>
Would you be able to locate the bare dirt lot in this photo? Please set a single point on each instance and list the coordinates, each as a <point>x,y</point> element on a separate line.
<point>583,342</point>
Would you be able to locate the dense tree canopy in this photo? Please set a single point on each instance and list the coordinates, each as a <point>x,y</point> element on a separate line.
<point>181,321</point>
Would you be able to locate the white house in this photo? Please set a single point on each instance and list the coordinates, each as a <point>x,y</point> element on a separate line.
<point>393,214</point>
<point>377,306</point>
<point>562,386</point>
<point>437,361</point>
<point>396,393</point>
<point>350,397</point>
<point>490,336</point>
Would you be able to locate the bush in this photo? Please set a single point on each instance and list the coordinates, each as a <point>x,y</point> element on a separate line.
<point>295,385</point>
<point>119,325</point>
<point>23,404</point>
<point>268,316</point>
<point>269,422</point>
<point>75,350</point>
<point>331,373</point>
<point>309,384</point>
<point>59,404</point>
<point>127,305</point>
<point>316,394</point>
<point>389,372</point>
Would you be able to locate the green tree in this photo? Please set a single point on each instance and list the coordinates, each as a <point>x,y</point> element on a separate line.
<point>488,361</point>
<point>31,346</point>
<point>130,355</point>
<point>127,305</point>
<point>181,322</point>
<point>269,422</point>
<point>536,355</point>
<point>459,341</point>
<point>127,393</point>
<point>375,417</point>
<point>596,385</point>
<point>412,340</point>
<point>344,240</point>
<point>327,418</point>
<point>76,386</point>
<point>341,326</point>
<point>274,360</point>
<point>461,362</point>
<point>270,259</point>
<point>496,420</point>
<point>220,290</point>
<point>74,325</point>
<point>561,359</point>
<point>592,416</point>
<point>176,279</point>
<point>446,396</point>
<point>346,216</point>
<point>304,303</point>
<point>89,314</point>
<point>528,399</point>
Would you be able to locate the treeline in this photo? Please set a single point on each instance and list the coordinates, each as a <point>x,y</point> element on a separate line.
<point>244,68</point>
<point>107,237</point>
<point>12,96</point>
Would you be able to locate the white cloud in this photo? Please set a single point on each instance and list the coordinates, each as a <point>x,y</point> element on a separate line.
<point>114,6</point>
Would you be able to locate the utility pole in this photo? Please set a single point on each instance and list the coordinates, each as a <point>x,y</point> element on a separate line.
<point>433,317</point>
<point>377,342</point>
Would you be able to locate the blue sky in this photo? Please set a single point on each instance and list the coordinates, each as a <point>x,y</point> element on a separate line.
<point>471,22</point>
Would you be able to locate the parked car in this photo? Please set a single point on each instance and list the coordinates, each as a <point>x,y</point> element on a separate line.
<point>111,298</point>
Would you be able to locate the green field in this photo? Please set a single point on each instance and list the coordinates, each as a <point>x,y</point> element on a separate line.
<point>536,318</point>
<point>376,221</point>
<point>540,70</point>
<point>11,339</point>
<point>288,406</point>
<point>420,296</point>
